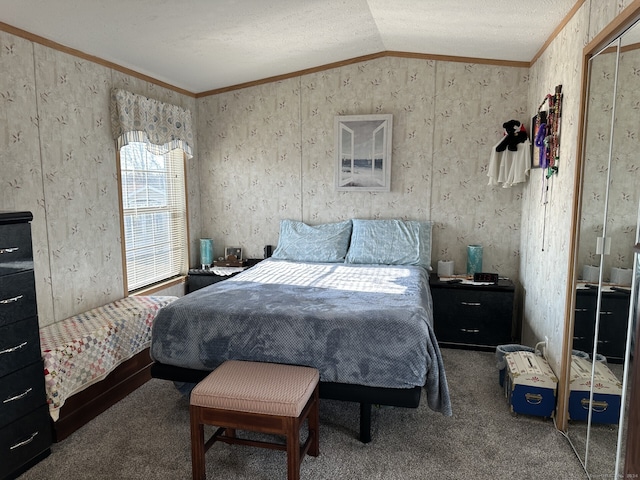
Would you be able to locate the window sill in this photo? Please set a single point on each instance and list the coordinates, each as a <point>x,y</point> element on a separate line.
<point>156,287</point>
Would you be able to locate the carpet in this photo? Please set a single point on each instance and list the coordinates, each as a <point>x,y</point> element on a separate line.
<point>146,436</point>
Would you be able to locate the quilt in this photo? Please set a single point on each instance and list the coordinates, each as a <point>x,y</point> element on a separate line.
<point>85,348</point>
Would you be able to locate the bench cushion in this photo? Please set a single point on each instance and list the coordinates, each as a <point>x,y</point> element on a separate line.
<point>254,387</point>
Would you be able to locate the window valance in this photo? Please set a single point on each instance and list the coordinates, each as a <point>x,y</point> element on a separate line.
<point>162,126</point>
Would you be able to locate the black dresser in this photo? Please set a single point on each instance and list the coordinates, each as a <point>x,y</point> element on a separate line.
<point>614,315</point>
<point>473,316</point>
<point>25,424</point>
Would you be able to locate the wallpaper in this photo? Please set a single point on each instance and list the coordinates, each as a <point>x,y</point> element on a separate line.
<point>60,164</point>
<point>267,153</point>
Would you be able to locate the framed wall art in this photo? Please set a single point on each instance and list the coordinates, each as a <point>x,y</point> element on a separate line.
<point>363,152</point>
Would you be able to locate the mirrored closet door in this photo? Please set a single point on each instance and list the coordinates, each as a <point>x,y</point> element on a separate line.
<point>606,269</point>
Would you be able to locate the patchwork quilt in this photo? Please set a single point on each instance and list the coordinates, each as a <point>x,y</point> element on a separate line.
<point>85,348</point>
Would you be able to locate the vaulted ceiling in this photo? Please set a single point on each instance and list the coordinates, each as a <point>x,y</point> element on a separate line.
<point>202,45</point>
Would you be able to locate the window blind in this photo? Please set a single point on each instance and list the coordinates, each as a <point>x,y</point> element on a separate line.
<point>154,214</point>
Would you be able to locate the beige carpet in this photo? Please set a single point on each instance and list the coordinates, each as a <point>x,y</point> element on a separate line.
<point>146,436</point>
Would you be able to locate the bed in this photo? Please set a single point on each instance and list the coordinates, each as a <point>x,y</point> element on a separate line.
<point>364,322</point>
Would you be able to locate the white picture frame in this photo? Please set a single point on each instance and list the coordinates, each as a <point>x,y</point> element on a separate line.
<point>363,152</point>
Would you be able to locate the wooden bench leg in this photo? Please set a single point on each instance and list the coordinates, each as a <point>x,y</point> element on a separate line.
<point>293,448</point>
<point>197,445</point>
<point>314,425</point>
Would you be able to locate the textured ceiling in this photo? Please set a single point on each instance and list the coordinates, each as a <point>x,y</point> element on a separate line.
<point>200,45</point>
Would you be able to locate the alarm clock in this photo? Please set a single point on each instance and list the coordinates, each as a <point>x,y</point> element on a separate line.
<point>485,277</point>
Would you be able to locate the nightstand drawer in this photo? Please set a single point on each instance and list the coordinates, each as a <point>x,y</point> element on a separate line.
<point>21,392</point>
<point>19,345</point>
<point>24,440</point>
<point>17,297</point>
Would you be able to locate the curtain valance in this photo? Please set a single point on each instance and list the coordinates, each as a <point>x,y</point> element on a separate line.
<point>162,126</point>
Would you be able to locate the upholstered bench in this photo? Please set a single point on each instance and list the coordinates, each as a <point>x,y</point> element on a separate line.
<point>260,397</point>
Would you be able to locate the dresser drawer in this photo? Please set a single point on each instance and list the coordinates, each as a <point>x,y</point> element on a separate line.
<point>24,440</point>
<point>16,253</point>
<point>19,345</point>
<point>21,392</point>
<point>17,297</point>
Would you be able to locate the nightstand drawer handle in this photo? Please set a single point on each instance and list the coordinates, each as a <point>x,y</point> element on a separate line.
<point>11,300</point>
<point>13,349</point>
<point>18,397</point>
<point>470,330</point>
<point>606,313</point>
<point>471,304</point>
<point>25,442</point>
<point>582,309</point>
<point>9,250</point>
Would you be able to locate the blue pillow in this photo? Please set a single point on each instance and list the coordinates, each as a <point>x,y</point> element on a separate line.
<point>390,242</point>
<point>326,243</point>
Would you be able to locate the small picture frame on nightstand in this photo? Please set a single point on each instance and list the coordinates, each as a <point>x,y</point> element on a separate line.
<point>235,251</point>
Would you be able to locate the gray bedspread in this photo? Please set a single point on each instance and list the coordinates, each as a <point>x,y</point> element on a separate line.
<point>360,324</point>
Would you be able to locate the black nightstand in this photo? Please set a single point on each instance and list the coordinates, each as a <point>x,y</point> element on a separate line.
<point>473,316</point>
<point>197,279</point>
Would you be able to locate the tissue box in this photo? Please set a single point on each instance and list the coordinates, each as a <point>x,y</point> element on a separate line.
<point>606,394</point>
<point>531,385</point>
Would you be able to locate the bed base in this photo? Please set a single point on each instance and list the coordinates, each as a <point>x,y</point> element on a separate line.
<point>84,406</point>
<point>365,396</point>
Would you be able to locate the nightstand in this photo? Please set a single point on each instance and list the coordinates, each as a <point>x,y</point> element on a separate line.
<point>473,316</point>
<point>614,312</point>
<point>197,278</point>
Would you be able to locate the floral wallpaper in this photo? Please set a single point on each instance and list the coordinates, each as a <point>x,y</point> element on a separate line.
<point>59,162</point>
<point>267,153</point>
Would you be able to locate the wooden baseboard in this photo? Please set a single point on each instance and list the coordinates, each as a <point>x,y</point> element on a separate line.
<point>84,406</point>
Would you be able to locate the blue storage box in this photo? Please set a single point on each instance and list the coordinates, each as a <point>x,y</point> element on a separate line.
<point>606,395</point>
<point>530,385</point>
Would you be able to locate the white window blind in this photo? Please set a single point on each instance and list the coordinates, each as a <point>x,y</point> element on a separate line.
<point>154,215</point>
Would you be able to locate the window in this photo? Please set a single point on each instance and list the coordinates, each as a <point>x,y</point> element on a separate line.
<point>154,215</point>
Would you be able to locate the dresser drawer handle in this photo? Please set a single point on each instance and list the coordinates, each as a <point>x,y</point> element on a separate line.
<point>471,304</point>
<point>11,300</point>
<point>25,442</point>
<point>470,330</point>
<point>9,250</point>
<point>18,397</point>
<point>606,313</point>
<point>582,310</point>
<point>13,349</point>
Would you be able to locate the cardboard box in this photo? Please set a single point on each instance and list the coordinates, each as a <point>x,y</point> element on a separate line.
<point>607,392</point>
<point>530,385</point>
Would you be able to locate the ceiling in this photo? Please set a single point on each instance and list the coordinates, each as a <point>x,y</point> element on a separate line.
<point>202,45</point>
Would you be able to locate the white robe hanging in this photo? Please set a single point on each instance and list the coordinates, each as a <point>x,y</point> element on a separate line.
<point>507,167</point>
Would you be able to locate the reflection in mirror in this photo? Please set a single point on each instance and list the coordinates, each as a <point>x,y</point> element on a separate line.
<point>609,217</point>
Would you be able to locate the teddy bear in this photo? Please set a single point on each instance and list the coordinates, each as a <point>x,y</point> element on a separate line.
<point>514,133</point>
